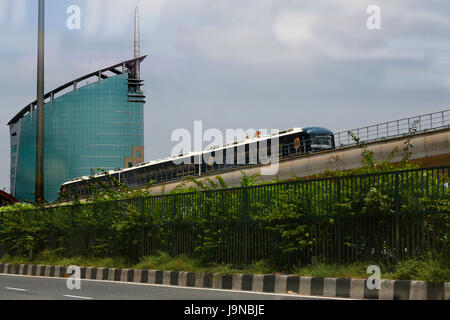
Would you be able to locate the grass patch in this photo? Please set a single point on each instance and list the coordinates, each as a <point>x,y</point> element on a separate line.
<point>426,269</point>
<point>354,270</point>
<point>430,268</point>
<point>165,262</point>
<point>48,257</point>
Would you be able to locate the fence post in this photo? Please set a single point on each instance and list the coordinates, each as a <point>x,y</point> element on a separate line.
<point>142,227</point>
<point>397,218</point>
<point>339,231</point>
<point>210,254</point>
<point>73,232</point>
<point>94,209</point>
<point>115,234</point>
<point>17,233</point>
<point>245,198</point>
<point>52,232</point>
<point>1,234</point>
<point>173,248</point>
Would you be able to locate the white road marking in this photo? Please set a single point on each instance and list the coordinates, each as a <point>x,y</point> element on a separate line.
<point>77,297</point>
<point>187,288</point>
<point>15,289</point>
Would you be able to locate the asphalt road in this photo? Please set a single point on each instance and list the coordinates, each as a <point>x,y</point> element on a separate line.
<point>43,288</point>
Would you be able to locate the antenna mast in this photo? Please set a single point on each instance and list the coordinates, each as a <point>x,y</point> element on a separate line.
<point>137,45</point>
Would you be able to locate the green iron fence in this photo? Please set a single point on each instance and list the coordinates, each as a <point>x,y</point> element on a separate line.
<point>343,219</point>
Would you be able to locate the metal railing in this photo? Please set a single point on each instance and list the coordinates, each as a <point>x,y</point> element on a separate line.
<point>384,216</point>
<point>396,128</point>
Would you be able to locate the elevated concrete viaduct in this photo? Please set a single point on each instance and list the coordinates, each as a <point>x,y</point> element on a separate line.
<point>430,148</point>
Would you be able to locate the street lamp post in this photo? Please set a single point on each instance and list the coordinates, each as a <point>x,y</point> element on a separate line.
<point>39,190</point>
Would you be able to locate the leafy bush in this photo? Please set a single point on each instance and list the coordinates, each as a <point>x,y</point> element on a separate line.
<point>282,223</point>
<point>16,207</point>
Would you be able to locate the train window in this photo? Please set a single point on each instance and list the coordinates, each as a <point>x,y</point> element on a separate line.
<point>240,154</point>
<point>263,151</point>
<point>321,141</point>
<point>247,157</point>
<point>253,153</point>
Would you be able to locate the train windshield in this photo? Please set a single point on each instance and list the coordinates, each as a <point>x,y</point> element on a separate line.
<point>321,141</point>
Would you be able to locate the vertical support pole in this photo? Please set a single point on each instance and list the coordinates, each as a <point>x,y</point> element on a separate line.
<point>142,253</point>
<point>115,234</point>
<point>339,230</point>
<point>52,232</point>
<point>245,198</point>
<point>73,232</point>
<point>18,232</point>
<point>39,187</point>
<point>2,223</point>
<point>1,234</point>
<point>94,209</point>
<point>174,225</point>
<point>207,228</point>
<point>397,218</point>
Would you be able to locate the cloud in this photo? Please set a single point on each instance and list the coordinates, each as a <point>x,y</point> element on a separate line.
<point>294,29</point>
<point>3,10</point>
<point>18,13</point>
<point>114,18</point>
<point>233,63</point>
<point>13,13</point>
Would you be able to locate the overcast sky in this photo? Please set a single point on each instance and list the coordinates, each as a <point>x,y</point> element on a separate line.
<point>239,64</point>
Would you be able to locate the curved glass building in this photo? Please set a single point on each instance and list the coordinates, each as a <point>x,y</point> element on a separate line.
<point>98,124</point>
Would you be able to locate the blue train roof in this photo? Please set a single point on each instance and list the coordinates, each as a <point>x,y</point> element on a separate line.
<point>317,130</point>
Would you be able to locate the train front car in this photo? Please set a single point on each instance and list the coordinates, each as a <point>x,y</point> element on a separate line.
<point>318,139</point>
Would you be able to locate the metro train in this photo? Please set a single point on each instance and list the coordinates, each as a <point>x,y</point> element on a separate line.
<point>291,143</point>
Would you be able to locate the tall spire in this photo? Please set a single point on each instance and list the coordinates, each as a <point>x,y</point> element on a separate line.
<point>137,44</point>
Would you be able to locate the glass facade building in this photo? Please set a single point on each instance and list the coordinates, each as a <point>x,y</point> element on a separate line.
<point>98,125</point>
